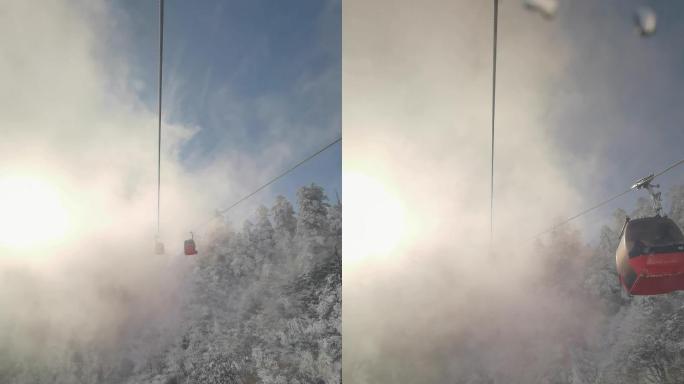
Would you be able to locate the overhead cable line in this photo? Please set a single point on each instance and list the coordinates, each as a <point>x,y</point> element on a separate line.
<point>606,201</point>
<point>274,179</point>
<point>680,162</point>
<point>491,180</point>
<point>161,56</point>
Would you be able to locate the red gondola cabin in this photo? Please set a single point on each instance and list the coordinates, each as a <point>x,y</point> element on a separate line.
<point>650,256</point>
<point>189,246</point>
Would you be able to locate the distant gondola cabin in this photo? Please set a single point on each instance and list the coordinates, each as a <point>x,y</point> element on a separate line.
<point>190,247</point>
<point>159,248</point>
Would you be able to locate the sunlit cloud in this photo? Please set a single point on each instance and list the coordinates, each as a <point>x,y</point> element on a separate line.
<point>376,219</point>
<point>34,214</point>
<point>78,177</point>
<point>417,115</point>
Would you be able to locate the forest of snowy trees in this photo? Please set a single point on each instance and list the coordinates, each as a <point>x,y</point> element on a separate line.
<point>262,304</point>
<point>555,315</point>
<point>258,305</point>
<point>600,334</point>
<point>630,340</point>
<point>267,307</point>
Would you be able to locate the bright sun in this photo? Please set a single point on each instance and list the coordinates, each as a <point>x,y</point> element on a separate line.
<point>374,218</point>
<point>32,214</point>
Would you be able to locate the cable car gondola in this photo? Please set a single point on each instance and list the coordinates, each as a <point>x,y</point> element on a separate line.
<point>650,254</point>
<point>189,246</point>
<point>158,247</point>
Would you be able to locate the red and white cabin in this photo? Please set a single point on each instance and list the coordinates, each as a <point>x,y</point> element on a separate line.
<point>650,256</point>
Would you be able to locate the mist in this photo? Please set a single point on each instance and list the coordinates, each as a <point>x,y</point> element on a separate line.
<point>73,116</point>
<point>66,124</point>
<point>440,305</point>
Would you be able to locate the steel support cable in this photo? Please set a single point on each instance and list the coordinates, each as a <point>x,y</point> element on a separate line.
<point>680,162</point>
<point>606,201</point>
<point>491,175</point>
<point>161,56</point>
<point>273,180</point>
<point>491,180</point>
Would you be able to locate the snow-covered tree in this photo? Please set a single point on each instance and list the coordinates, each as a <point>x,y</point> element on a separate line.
<point>312,220</point>
<point>284,221</point>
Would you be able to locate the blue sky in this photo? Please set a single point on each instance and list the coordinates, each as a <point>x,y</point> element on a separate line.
<point>253,73</point>
<point>616,105</point>
<point>252,76</point>
<point>585,107</point>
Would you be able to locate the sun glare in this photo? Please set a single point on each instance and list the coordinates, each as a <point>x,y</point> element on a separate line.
<point>32,214</point>
<point>374,218</point>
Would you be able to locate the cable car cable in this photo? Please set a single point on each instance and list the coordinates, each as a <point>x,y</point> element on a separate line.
<point>491,180</point>
<point>584,212</point>
<point>222,211</point>
<point>161,57</point>
<point>276,178</point>
<point>680,162</point>
<point>604,202</point>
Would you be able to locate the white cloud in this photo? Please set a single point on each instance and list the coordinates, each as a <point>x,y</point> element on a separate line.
<point>71,118</point>
<point>416,113</point>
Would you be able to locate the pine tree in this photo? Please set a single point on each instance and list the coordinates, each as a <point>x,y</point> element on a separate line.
<point>284,221</point>
<point>264,235</point>
<point>313,241</point>
<point>313,210</point>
